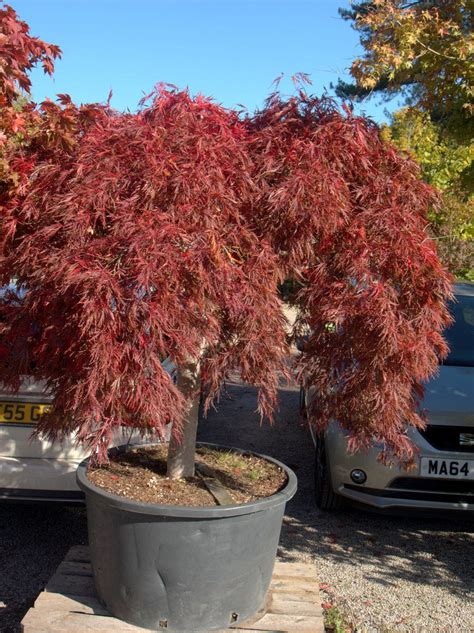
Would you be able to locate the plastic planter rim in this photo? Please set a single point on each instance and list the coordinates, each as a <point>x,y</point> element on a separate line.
<point>191,512</point>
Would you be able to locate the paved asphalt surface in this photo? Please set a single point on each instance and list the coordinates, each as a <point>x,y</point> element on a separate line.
<point>388,573</point>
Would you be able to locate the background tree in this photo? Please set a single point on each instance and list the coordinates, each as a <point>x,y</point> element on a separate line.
<point>446,164</point>
<point>19,118</point>
<point>34,130</point>
<point>422,50</point>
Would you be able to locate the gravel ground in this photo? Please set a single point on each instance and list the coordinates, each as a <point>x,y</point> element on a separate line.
<point>33,541</point>
<point>387,573</point>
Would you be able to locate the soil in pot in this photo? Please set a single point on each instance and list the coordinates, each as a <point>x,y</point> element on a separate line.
<point>140,474</point>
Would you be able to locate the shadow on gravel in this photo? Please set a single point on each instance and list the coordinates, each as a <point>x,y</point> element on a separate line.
<point>424,550</point>
<point>33,541</point>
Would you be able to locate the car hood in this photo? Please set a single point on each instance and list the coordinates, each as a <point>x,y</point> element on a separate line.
<point>449,397</point>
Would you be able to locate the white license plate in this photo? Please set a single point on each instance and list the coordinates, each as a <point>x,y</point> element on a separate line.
<point>447,468</point>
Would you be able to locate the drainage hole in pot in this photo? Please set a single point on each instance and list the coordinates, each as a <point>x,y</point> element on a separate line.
<point>233,618</point>
<point>163,624</point>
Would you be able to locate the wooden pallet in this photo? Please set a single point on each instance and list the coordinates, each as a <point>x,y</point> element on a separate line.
<point>69,603</point>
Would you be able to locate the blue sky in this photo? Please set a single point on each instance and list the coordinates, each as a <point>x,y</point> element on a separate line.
<point>228,49</point>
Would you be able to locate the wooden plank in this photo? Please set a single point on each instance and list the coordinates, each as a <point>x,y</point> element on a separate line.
<point>52,621</point>
<point>88,605</point>
<point>79,554</point>
<point>74,568</point>
<point>292,581</point>
<point>237,629</point>
<point>307,597</point>
<point>66,622</point>
<point>293,569</point>
<point>279,605</point>
<point>293,623</point>
<point>70,605</point>
<point>78,604</point>
<point>278,585</point>
<point>295,580</point>
<point>71,585</point>
<point>49,620</point>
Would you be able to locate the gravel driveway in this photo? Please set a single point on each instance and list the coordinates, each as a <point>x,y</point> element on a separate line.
<point>387,573</point>
<point>33,541</point>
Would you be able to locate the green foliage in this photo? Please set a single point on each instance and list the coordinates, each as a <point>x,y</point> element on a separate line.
<point>334,620</point>
<point>446,164</point>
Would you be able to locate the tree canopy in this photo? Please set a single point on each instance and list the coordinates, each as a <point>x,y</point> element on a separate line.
<point>165,233</point>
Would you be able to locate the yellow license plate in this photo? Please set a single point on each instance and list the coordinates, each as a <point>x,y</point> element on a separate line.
<point>22,412</point>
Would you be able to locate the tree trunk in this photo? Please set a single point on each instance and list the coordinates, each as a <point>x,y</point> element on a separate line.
<point>182,449</point>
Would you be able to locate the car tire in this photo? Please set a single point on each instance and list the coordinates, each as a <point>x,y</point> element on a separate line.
<point>325,497</point>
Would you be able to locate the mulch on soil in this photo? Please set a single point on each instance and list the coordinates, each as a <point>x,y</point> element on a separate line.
<point>140,474</point>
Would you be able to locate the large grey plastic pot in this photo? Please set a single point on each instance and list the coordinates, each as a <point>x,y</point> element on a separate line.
<point>180,568</point>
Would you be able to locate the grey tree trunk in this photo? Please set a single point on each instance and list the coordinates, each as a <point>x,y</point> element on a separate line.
<point>182,450</point>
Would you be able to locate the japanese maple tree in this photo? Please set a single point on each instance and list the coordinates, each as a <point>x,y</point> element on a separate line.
<point>165,233</point>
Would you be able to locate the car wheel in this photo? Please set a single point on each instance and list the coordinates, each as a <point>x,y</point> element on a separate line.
<point>325,497</point>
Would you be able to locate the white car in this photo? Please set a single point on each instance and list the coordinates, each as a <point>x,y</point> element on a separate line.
<point>443,477</point>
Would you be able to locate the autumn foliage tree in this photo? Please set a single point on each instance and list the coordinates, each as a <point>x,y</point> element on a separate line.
<point>421,48</point>
<point>137,237</point>
<point>166,232</point>
<point>19,118</point>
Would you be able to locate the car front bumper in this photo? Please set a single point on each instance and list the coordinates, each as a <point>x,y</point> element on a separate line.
<point>33,479</point>
<point>391,487</point>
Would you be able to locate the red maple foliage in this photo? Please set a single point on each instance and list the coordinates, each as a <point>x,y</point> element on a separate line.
<point>346,213</point>
<point>133,248</point>
<point>166,233</point>
<point>20,52</point>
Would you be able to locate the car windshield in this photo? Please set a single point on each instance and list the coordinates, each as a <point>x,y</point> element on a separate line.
<point>460,335</point>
